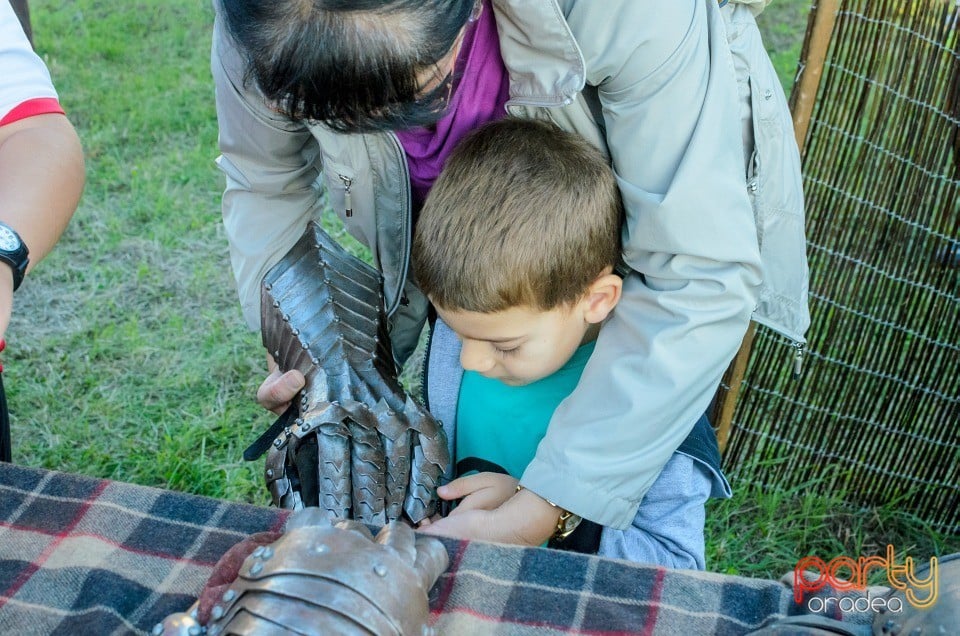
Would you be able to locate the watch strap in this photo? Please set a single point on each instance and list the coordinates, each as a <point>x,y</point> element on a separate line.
<point>17,259</point>
<point>566,523</point>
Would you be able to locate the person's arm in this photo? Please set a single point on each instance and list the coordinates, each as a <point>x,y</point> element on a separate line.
<point>270,164</point>
<point>41,161</point>
<point>668,527</point>
<point>41,178</point>
<point>270,168</point>
<point>673,128</point>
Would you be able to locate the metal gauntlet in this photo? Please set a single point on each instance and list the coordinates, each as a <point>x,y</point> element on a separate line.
<point>360,447</point>
<point>319,578</point>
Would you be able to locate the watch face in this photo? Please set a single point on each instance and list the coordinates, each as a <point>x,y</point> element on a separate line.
<point>8,240</point>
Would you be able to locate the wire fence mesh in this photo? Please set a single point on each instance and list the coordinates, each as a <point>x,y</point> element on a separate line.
<point>876,412</point>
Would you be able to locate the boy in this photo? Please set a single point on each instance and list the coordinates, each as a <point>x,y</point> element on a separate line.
<point>516,248</point>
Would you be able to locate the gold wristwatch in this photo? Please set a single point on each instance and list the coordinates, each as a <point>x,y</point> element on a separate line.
<point>566,524</point>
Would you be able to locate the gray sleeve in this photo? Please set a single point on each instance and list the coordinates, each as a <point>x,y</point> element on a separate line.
<point>442,390</point>
<point>270,164</point>
<point>671,109</point>
<point>668,527</point>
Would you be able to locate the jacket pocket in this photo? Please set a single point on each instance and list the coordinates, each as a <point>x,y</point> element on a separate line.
<point>348,196</point>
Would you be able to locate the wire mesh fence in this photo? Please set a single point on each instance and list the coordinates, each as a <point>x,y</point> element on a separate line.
<point>876,411</point>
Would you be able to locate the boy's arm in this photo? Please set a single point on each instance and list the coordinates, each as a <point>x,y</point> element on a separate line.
<point>524,519</point>
<point>668,527</point>
<point>479,491</point>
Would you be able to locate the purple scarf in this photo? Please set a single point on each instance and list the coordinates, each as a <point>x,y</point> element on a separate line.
<point>478,98</point>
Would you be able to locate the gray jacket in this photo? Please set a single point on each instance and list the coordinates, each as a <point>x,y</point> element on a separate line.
<point>714,232</point>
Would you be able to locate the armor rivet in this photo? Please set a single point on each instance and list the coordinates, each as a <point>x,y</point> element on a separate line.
<point>270,472</point>
<point>304,428</point>
<point>286,317</point>
<point>230,595</point>
<point>380,570</point>
<point>195,630</point>
<point>157,629</point>
<point>296,331</point>
<point>267,553</point>
<point>267,286</point>
<point>258,552</point>
<point>217,612</point>
<point>256,569</point>
<point>276,304</point>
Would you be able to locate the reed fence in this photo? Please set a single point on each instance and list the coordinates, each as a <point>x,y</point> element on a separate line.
<point>876,412</point>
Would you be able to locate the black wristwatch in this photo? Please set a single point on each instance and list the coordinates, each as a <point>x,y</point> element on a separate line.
<point>13,252</point>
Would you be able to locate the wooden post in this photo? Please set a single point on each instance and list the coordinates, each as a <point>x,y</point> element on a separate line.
<point>809,81</point>
<point>824,18</point>
<point>722,413</point>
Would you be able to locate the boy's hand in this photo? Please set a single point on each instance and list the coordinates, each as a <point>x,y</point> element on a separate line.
<point>480,491</point>
<point>426,522</point>
<point>524,519</point>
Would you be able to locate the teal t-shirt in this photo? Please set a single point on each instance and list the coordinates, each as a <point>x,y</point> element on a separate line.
<point>503,424</point>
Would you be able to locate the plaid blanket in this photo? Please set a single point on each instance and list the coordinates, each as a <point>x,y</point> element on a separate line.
<point>86,556</point>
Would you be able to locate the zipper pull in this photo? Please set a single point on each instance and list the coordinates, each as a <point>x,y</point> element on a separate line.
<point>797,359</point>
<point>347,199</point>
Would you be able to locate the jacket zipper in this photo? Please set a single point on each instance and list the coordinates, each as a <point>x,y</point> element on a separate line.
<point>797,359</point>
<point>347,198</point>
<point>399,297</point>
<point>424,369</point>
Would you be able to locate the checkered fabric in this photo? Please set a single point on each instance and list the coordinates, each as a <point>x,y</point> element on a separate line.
<point>83,556</point>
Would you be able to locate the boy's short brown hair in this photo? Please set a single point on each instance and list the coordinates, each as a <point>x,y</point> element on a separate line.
<point>523,214</point>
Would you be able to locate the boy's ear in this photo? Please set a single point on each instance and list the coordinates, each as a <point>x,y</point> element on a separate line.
<point>602,296</point>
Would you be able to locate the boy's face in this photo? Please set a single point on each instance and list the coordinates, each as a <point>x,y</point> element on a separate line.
<point>519,345</point>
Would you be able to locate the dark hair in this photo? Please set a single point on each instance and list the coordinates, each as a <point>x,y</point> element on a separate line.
<point>522,215</point>
<point>351,64</point>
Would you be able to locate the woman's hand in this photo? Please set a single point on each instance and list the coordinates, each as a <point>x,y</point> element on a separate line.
<point>524,518</point>
<point>279,389</point>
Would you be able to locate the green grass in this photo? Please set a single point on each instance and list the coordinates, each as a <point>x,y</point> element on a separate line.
<point>783,24</point>
<point>128,358</point>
